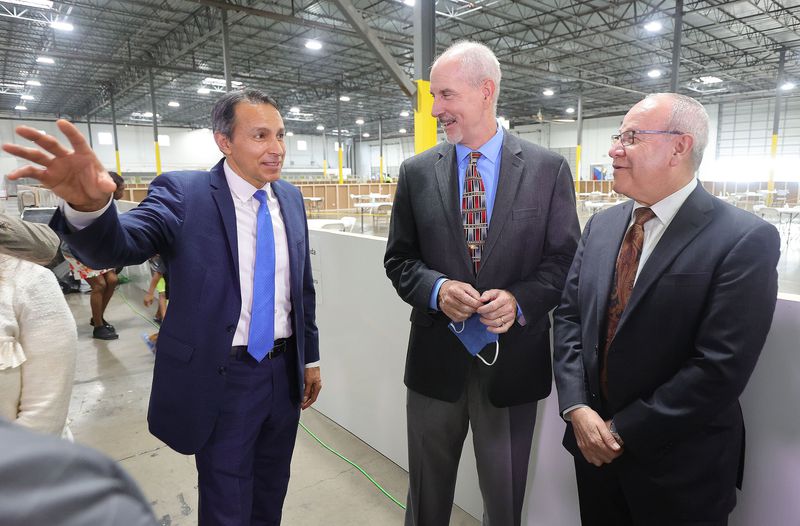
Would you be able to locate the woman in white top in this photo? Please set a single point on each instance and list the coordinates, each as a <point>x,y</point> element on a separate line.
<point>38,343</point>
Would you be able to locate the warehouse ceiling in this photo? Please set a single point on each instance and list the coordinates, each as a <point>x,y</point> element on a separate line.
<point>600,49</point>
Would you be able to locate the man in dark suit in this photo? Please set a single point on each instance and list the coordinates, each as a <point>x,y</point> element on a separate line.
<point>47,480</point>
<point>483,231</point>
<point>665,311</point>
<point>238,349</point>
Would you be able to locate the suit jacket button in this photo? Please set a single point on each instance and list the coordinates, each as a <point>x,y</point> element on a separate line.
<point>222,370</point>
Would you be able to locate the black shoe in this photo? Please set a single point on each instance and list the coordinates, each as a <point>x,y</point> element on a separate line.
<point>105,323</point>
<point>104,333</point>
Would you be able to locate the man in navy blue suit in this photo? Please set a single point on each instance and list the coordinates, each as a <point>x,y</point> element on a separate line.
<point>229,379</point>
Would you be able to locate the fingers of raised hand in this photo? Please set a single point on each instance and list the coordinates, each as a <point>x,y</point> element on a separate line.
<point>74,136</point>
<point>34,155</point>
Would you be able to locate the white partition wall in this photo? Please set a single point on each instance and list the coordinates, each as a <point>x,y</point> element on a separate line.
<point>363,328</point>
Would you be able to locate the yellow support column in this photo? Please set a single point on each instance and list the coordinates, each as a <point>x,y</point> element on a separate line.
<point>577,173</point>
<point>158,159</point>
<point>119,167</point>
<point>341,160</point>
<point>380,164</point>
<point>424,122</point>
<point>773,153</point>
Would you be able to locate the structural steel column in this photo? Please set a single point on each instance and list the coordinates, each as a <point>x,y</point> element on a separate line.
<point>339,134</point>
<point>226,47</point>
<point>578,147</point>
<point>773,151</point>
<point>424,51</point>
<point>155,121</point>
<point>380,142</point>
<point>114,131</point>
<point>324,156</point>
<point>676,45</point>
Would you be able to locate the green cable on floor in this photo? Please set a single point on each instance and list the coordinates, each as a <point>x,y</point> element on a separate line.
<point>329,448</point>
<point>315,437</point>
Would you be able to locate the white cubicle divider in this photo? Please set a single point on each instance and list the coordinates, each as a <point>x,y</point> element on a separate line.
<point>364,326</point>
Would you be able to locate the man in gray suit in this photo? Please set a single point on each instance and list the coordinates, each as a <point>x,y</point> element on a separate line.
<point>48,481</point>
<point>483,232</point>
<point>664,314</point>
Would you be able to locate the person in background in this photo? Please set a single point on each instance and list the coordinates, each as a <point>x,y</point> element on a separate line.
<point>103,282</point>
<point>30,241</point>
<point>666,308</point>
<point>158,284</point>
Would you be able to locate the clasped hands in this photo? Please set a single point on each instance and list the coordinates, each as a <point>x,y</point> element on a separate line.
<point>594,436</point>
<point>497,308</point>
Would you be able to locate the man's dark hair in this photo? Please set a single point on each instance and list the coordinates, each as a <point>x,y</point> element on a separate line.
<point>222,116</point>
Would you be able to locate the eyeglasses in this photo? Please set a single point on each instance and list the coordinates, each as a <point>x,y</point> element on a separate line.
<point>627,137</point>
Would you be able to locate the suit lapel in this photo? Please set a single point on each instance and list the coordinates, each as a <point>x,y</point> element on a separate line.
<point>692,217</point>
<point>508,181</point>
<point>447,182</point>
<point>609,243</point>
<point>289,217</point>
<point>224,201</point>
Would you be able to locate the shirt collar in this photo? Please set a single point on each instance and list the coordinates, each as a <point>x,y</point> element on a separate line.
<point>240,188</point>
<point>666,209</point>
<point>490,150</point>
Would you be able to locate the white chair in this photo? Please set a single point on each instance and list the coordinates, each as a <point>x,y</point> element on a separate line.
<point>349,223</point>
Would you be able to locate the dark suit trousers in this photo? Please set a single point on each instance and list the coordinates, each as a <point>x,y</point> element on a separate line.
<point>243,469</point>
<point>502,438</point>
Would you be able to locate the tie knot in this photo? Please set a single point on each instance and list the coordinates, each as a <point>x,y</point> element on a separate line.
<point>474,156</point>
<point>643,215</point>
<point>261,196</point>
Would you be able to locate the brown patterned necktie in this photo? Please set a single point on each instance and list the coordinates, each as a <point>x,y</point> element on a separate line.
<point>624,278</point>
<point>473,211</point>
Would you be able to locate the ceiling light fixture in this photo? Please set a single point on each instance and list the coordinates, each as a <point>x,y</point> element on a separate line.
<point>20,107</point>
<point>570,110</point>
<point>404,113</point>
<point>344,98</point>
<point>294,109</point>
<point>313,44</point>
<point>174,104</point>
<point>653,26</point>
<point>61,26</point>
<point>365,135</point>
<point>654,73</point>
<point>290,134</point>
<point>402,130</point>
<point>786,86</point>
<point>320,127</point>
<point>360,122</point>
<point>710,80</point>
<point>33,83</point>
<point>548,92</point>
<point>27,97</point>
<point>45,60</point>
<point>203,91</point>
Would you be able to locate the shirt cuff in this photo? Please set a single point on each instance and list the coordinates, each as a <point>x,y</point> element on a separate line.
<point>520,316</point>
<point>567,411</point>
<point>312,364</point>
<point>433,304</point>
<point>80,220</point>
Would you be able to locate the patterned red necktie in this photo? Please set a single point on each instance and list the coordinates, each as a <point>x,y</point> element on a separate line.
<point>624,278</point>
<point>473,211</point>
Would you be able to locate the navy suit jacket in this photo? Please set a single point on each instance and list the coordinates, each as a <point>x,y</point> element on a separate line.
<point>189,218</point>
<point>684,349</point>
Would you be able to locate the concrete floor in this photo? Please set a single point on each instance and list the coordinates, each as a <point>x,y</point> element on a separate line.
<point>109,408</point>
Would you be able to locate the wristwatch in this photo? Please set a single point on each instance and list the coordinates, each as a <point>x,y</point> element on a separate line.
<point>614,434</point>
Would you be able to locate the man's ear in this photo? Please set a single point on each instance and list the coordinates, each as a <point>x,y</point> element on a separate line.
<point>223,143</point>
<point>487,89</point>
<point>682,149</point>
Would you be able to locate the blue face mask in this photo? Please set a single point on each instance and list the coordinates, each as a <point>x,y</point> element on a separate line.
<point>474,336</point>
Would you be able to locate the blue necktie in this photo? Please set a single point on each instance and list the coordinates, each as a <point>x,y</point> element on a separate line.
<point>262,313</point>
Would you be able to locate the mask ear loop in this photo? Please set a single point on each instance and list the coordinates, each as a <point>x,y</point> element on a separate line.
<point>452,324</point>
<point>496,354</point>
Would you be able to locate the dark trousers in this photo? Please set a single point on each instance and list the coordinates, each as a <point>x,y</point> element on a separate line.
<point>501,436</point>
<point>243,469</point>
<point>604,502</point>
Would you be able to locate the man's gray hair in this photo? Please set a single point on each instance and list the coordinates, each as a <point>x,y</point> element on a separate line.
<point>224,112</point>
<point>688,116</point>
<point>478,63</point>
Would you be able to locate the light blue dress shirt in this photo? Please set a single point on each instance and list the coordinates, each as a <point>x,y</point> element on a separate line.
<point>489,170</point>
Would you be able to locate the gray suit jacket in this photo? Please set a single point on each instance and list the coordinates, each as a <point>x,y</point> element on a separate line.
<point>29,241</point>
<point>685,345</point>
<point>47,481</point>
<point>531,240</point>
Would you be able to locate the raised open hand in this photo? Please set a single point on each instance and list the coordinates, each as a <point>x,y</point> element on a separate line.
<point>76,175</point>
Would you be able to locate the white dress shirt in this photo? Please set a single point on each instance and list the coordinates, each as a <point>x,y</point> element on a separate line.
<point>665,211</point>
